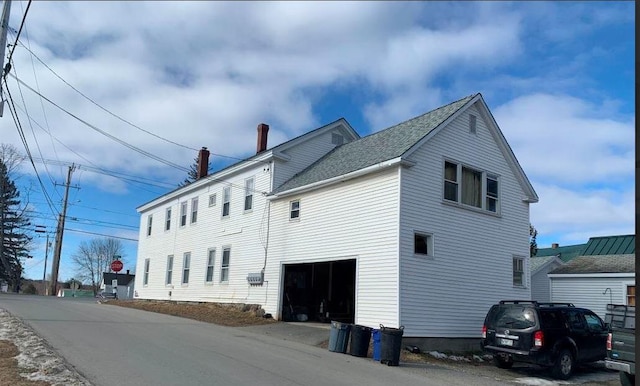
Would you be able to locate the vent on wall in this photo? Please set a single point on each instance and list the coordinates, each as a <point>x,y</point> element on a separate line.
<point>337,139</point>
<point>472,124</point>
<point>255,278</point>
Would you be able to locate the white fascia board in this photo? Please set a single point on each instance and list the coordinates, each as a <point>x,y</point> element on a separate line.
<point>216,177</point>
<point>345,177</point>
<point>586,275</point>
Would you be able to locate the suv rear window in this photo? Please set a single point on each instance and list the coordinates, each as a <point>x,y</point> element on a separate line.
<point>551,319</point>
<point>512,316</point>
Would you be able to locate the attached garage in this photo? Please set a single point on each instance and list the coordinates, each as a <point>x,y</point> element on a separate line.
<point>319,292</point>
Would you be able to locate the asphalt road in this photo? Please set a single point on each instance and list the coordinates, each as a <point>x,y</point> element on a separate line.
<point>121,346</point>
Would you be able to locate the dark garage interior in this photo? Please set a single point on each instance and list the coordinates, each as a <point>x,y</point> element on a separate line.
<point>319,292</point>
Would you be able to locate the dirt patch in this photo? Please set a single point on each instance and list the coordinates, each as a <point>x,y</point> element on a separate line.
<point>9,368</point>
<point>231,315</point>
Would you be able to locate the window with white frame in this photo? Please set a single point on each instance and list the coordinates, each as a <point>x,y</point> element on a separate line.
<point>518,271</point>
<point>211,261</point>
<point>248,194</point>
<point>194,210</point>
<point>167,219</point>
<point>226,198</point>
<point>149,223</point>
<point>470,187</point>
<point>224,268</point>
<point>423,244</point>
<point>145,277</point>
<point>212,199</point>
<point>169,276</point>
<point>631,295</point>
<point>183,214</point>
<point>294,210</point>
<point>186,263</point>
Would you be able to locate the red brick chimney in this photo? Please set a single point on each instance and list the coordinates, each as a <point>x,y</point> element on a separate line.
<point>203,163</point>
<point>263,129</point>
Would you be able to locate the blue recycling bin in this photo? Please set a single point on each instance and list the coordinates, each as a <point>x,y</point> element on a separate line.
<point>375,335</point>
<point>339,337</point>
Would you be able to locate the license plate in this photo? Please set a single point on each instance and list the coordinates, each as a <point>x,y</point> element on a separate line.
<point>506,342</point>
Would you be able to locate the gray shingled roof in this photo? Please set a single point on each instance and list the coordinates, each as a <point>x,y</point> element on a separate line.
<point>538,261</point>
<point>372,149</point>
<point>599,264</point>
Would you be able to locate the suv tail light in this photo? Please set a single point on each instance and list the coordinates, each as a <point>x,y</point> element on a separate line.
<point>609,342</point>
<point>538,338</point>
<point>484,332</point>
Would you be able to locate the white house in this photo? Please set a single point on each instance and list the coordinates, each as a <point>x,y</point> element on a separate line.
<point>540,282</point>
<point>423,225</point>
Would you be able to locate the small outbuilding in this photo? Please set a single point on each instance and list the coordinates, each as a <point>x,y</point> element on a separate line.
<point>121,284</point>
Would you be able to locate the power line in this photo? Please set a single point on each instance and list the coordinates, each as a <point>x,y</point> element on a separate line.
<point>112,137</point>
<point>24,18</point>
<point>101,234</point>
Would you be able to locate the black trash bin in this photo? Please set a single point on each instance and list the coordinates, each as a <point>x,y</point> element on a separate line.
<point>339,337</point>
<point>360,337</point>
<point>390,345</point>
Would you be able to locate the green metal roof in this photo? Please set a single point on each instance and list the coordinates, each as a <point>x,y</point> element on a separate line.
<point>611,245</point>
<point>565,253</point>
<point>382,146</point>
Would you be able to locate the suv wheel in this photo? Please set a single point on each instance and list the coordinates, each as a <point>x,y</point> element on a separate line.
<point>563,367</point>
<point>503,361</point>
<point>627,379</point>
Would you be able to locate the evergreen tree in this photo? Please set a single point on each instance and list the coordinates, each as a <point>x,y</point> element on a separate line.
<point>533,244</point>
<point>192,174</point>
<point>14,239</point>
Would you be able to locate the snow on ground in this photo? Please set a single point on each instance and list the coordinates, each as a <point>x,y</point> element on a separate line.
<point>36,356</point>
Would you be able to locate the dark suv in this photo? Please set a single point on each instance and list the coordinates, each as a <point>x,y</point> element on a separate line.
<point>555,335</point>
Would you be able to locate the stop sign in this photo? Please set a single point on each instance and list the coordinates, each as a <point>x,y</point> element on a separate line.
<point>116,266</point>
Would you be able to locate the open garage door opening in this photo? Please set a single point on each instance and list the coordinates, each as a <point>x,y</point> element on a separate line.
<point>319,292</point>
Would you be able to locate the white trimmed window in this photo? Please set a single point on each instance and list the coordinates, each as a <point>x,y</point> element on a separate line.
<point>149,223</point>
<point>224,268</point>
<point>145,277</point>
<point>167,219</point>
<point>186,263</point>
<point>423,244</point>
<point>226,198</point>
<point>169,276</point>
<point>518,271</point>
<point>248,194</point>
<point>212,200</point>
<point>183,214</point>
<point>470,187</point>
<point>294,210</point>
<point>194,210</point>
<point>211,261</point>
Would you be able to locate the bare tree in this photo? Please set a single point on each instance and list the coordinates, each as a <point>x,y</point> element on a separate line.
<point>94,257</point>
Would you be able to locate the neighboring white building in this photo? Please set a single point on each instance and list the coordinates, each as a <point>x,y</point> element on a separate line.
<point>540,282</point>
<point>423,225</point>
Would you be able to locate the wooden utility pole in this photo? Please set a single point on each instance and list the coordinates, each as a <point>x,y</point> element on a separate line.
<point>3,43</point>
<point>59,232</point>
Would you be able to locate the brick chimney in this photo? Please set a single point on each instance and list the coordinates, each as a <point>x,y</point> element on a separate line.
<point>203,163</point>
<point>554,246</point>
<point>263,129</point>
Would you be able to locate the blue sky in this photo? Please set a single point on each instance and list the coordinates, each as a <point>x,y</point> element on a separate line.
<point>558,77</point>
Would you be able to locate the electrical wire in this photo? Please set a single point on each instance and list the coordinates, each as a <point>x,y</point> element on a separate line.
<point>100,234</point>
<point>13,48</point>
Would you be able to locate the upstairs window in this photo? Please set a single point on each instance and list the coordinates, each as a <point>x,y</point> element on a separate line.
<point>294,210</point>
<point>471,187</point>
<point>248,194</point>
<point>226,197</point>
<point>183,214</point>
<point>167,219</point>
<point>337,139</point>
<point>194,210</point>
<point>149,223</point>
<point>423,244</point>
<point>212,200</point>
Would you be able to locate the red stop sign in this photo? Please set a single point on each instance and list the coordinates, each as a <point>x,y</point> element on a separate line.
<point>116,266</point>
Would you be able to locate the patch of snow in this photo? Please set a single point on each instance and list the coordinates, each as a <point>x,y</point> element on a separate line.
<point>539,382</point>
<point>36,355</point>
<point>438,355</point>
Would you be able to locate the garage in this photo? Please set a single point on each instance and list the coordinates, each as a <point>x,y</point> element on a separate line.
<point>319,292</point>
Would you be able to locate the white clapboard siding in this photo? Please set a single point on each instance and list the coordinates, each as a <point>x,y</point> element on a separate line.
<point>357,219</point>
<point>448,295</point>
<point>589,292</point>
<point>540,283</point>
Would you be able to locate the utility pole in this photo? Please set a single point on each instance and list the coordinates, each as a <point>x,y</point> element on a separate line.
<point>44,274</point>
<point>6,9</point>
<point>58,247</point>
